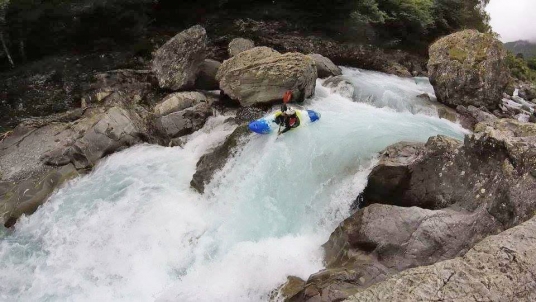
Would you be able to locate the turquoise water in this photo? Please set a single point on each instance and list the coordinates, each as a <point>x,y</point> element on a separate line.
<point>134,230</point>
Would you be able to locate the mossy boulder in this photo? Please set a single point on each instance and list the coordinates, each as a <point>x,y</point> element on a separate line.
<point>469,68</point>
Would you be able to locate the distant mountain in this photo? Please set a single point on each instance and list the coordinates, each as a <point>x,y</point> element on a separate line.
<point>527,48</point>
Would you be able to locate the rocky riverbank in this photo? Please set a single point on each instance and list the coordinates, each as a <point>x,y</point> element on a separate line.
<point>426,213</point>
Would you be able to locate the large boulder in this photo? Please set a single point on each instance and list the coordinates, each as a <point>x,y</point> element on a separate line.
<point>500,268</point>
<point>181,113</point>
<point>469,68</point>
<point>381,240</point>
<point>239,45</point>
<point>176,64</point>
<point>206,78</point>
<point>324,67</point>
<point>261,76</point>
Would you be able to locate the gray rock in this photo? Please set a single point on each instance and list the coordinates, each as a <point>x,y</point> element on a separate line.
<point>261,75</point>
<point>324,67</point>
<point>470,191</point>
<point>340,85</point>
<point>206,78</point>
<point>469,68</point>
<point>123,87</point>
<point>176,64</point>
<point>500,268</point>
<point>179,101</point>
<point>25,197</point>
<point>381,240</point>
<point>185,121</point>
<point>390,178</point>
<point>239,45</point>
<point>211,162</point>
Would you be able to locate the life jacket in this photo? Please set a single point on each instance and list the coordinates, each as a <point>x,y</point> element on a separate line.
<point>292,120</point>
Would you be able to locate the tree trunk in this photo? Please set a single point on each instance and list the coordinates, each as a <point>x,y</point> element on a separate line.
<point>22,51</point>
<point>6,50</point>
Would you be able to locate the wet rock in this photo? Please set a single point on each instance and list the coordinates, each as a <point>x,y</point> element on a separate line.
<point>499,268</point>
<point>42,153</point>
<point>292,287</point>
<point>239,45</point>
<point>215,160</point>
<point>469,68</point>
<point>176,64</point>
<point>25,197</point>
<point>206,78</point>
<point>340,85</point>
<point>261,76</point>
<point>324,67</point>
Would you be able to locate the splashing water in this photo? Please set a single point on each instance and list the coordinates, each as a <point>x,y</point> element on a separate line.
<point>134,230</point>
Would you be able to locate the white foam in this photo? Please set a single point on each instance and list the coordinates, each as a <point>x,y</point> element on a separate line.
<point>134,230</point>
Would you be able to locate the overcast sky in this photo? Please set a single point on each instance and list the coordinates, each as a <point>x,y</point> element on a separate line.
<point>513,19</point>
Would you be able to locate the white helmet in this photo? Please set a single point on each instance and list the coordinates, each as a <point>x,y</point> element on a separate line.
<point>290,111</point>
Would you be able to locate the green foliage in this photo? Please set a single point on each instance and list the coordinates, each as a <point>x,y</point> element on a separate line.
<point>532,63</point>
<point>519,68</point>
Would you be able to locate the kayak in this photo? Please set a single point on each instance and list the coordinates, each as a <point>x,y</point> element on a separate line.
<point>267,124</point>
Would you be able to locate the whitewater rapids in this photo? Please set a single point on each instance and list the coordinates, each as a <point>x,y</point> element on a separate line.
<point>134,230</point>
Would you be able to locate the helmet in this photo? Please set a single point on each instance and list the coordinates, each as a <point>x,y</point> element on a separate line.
<point>290,111</point>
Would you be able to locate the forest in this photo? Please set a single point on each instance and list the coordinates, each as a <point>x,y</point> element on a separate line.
<point>32,29</point>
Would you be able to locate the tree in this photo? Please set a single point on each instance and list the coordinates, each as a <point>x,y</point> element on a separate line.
<point>4,4</point>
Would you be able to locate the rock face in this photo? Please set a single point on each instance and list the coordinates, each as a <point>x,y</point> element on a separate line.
<point>324,67</point>
<point>494,167</point>
<point>239,45</point>
<point>177,62</point>
<point>469,68</point>
<point>261,76</point>
<point>206,78</point>
<point>430,203</point>
<point>114,130</point>
<point>500,268</point>
<point>41,154</point>
<point>181,113</point>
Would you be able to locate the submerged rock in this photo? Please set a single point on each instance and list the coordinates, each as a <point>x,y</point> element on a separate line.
<point>176,64</point>
<point>469,68</point>
<point>215,160</point>
<point>261,76</point>
<point>324,67</point>
<point>239,45</point>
